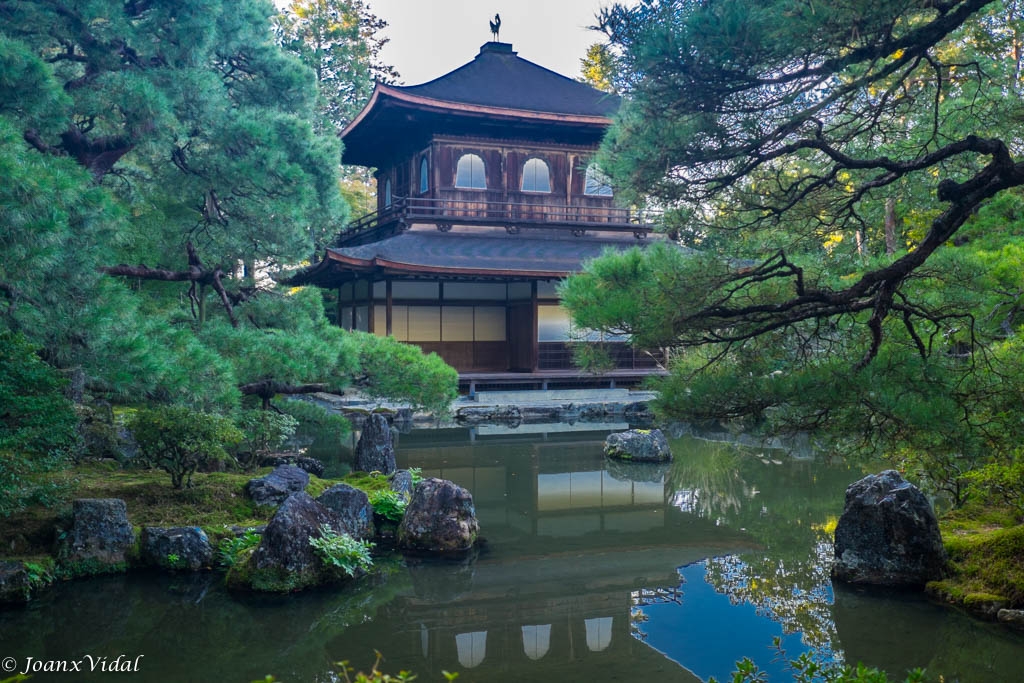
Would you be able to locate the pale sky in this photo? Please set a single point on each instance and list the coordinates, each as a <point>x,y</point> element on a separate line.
<point>429,38</point>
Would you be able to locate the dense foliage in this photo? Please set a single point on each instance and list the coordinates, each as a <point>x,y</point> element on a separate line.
<point>848,175</point>
<point>163,162</point>
<point>37,423</point>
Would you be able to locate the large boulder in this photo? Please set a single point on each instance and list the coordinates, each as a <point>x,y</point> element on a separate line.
<point>181,547</point>
<point>100,538</point>
<point>638,445</point>
<point>888,534</point>
<point>284,560</point>
<point>441,518</point>
<point>352,509</point>
<point>375,451</point>
<point>275,487</point>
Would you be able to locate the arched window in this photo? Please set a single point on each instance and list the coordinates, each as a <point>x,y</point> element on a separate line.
<point>536,177</point>
<point>597,183</point>
<point>387,193</point>
<point>424,176</point>
<point>470,172</point>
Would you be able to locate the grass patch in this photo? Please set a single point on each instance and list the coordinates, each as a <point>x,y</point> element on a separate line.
<point>986,559</point>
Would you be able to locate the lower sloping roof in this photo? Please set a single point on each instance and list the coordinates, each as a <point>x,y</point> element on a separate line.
<point>424,250</point>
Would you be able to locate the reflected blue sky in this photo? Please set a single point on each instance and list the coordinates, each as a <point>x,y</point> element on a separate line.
<point>707,634</point>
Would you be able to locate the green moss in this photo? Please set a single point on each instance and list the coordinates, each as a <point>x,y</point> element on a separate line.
<point>317,485</point>
<point>368,482</point>
<point>986,560</point>
<point>73,569</point>
<point>978,599</point>
<point>976,518</point>
<point>244,576</point>
<point>217,500</point>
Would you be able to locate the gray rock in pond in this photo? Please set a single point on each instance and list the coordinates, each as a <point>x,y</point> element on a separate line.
<point>401,483</point>
<point>311,465</point>
<point>638,445</point>
<point>888,534</point>
<point>15,586</point>
<point>441,518</point>
<point>352,509</point>
<point>508,414</point>
<point>375,451</point>
<point>284,560</point>
<point>1014,617</point>
<point>638,413</point>
<point>275,487</point>
<point>100,537</point>
<point>180,547</point>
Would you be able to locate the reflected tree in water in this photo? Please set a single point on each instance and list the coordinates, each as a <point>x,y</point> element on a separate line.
<point>795,594</point>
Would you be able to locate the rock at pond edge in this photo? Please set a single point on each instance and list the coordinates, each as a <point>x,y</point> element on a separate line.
<point>888,534</point>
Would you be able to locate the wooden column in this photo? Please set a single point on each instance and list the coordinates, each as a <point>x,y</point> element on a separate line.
<point>338,309</point>
<point>355,283</point>
<point>534,343</point>
<point>369,306</point>
<point>387,307</point>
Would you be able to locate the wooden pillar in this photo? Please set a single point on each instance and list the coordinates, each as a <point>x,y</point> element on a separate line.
<point>355,283</point>
<point>338,309</point>
<point>440,310</point>
<point>387,307</point>
<point>369,307</point>
<point>534,343</point>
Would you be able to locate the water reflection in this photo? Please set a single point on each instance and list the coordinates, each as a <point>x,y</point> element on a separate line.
<point>591,571</point>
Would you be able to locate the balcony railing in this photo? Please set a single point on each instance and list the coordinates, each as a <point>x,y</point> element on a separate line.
<point>445,211</point>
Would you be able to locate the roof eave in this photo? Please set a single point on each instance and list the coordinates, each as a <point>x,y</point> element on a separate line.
<point>380,92</point>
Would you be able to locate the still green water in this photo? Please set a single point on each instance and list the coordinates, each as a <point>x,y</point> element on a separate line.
<point>591,572</point>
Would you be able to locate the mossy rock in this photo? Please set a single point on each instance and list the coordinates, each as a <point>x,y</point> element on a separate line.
<point>986,605</point>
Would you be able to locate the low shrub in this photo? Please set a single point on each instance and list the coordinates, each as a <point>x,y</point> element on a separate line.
<point>180,440</point>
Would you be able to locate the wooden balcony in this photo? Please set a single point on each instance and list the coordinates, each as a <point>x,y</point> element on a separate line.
<point>512,213</point>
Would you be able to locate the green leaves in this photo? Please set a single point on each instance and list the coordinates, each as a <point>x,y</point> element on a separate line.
<point>402,372</point>
<point>179,440</point>
<point>342,551</point>
<point>37,423</point>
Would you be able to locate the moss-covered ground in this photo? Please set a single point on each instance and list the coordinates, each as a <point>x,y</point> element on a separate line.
<point>215,502</point>
<point>986,560</point>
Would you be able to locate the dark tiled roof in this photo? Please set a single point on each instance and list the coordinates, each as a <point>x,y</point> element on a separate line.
<point>498,77</point>
<point>480,252</point>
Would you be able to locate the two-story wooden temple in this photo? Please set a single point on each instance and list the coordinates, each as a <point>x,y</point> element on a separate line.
<point>486,198</point>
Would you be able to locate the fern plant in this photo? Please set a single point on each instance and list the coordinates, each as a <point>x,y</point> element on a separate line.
<point>230,548</point>
<point>342,551</point>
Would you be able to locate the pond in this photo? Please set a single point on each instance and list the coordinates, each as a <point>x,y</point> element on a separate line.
<point>591,572</point>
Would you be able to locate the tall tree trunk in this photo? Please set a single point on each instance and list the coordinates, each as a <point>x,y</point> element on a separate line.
<point>858,238</point>
<point>890,226</point>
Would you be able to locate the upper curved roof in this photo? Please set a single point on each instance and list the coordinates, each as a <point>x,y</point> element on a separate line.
<point>496,94</point>
<point>499,77</point>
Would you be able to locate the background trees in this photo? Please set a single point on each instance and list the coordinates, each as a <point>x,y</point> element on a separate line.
<point>849,173</point>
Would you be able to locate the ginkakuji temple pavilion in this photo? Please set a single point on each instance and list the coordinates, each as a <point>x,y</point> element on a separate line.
<point>486,198</point>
